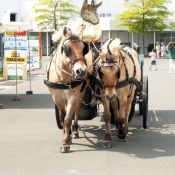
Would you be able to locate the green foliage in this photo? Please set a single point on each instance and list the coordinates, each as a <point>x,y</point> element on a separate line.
<point>1,73</point>
<point>51,14</point>
<point>142,16</point>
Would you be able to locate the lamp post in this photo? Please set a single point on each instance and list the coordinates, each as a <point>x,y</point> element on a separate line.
<point>30,92</point>
<point>16,98</point>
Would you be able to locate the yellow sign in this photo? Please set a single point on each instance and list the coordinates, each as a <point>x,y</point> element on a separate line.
<point>10,33</point>
<point>14,59</point>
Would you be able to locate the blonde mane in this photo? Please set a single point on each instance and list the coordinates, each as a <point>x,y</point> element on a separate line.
<point>113,46</point>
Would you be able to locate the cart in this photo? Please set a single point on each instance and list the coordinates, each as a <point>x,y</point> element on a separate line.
<point>141,99</point>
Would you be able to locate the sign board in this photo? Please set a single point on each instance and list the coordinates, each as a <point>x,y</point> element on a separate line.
<point>34,51</point>
<point>15,51</point>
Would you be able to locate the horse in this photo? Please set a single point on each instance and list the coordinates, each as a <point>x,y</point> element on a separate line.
<point>66,80</point>
<point>119,79</point>
<point>89,12</point>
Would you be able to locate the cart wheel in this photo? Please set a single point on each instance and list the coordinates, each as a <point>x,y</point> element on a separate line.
<point>58,119</point>
<point>140,108</point>
<point>145,101</point>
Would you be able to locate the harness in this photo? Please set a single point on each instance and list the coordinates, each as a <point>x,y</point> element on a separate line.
<point>127,81</point>
<point>67,50</point>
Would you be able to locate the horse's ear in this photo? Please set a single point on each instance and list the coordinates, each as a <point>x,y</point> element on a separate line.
<point>86,48</point>
<point>67,32</point>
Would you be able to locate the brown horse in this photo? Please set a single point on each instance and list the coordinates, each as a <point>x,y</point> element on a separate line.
<point>66,75</point>
<point>120,78</point>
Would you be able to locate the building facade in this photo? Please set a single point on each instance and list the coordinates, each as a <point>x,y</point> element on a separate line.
<point>20,11</point>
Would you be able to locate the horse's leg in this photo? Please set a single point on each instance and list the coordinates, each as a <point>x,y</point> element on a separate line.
<point>75,133</point>
<point>121,119</point>
<point>127,112</point>
<point>115,108</point>
<point>62,104</point>
<point>65,147</point>
<point>107,118</point>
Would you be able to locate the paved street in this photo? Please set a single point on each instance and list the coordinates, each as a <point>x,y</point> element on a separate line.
<point>30,140</point>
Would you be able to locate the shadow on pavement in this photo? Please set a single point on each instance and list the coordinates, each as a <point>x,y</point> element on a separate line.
<point>158,140</point>
<point>35,101</point>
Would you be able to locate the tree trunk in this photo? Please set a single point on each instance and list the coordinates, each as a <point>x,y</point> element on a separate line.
<point>143,48</point>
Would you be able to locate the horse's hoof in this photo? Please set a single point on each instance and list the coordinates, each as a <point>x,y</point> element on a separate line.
<point>65,149</point>
<point>75,135</point>
<point>106,145</point>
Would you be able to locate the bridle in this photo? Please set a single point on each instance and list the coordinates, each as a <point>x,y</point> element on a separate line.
<point>109,64</point>
<point>67,51</point>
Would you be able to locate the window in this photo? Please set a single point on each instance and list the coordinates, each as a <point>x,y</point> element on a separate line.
<point>12,17</point>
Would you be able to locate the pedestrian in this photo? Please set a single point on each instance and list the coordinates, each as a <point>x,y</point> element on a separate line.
<point>153,59</point>
<point>162,50</point>
<point>170,50</point>
<point>92,34</point>
<point>157,49</point>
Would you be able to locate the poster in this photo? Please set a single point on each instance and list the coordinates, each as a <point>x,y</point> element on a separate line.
<point>34,51</point>
<point>15,50</point>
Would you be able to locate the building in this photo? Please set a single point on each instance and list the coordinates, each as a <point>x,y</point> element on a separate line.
<point>20,11</point>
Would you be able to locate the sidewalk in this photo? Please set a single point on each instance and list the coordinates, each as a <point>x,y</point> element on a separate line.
<point>5,84</point>
<point>34,83</point>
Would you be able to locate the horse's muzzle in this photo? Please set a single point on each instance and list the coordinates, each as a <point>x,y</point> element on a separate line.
<point>80,73</point>
<point>111,98</point>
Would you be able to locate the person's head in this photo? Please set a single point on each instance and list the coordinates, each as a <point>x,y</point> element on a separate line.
<point>170,46</point>
<point>154,50</point>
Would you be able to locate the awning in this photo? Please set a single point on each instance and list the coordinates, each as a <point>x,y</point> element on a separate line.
<point>15,26</point>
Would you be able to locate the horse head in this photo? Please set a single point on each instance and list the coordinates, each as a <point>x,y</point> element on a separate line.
<point>74,50</point>
<point>109,70</point>
<point>89,12</point>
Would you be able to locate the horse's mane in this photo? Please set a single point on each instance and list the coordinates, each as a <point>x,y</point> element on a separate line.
<point>113,45</point>
<point>110,48</point>
<point>73,38</point>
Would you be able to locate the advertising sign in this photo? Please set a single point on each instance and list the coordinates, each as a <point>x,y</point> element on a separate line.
<point>15,50</point>
<point>34,51</point>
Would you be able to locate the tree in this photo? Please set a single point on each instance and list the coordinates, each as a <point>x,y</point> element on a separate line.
<point>51,14</point>
<point>142,16</point>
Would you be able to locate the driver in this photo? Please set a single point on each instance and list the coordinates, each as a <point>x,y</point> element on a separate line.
<point>92,34</point>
